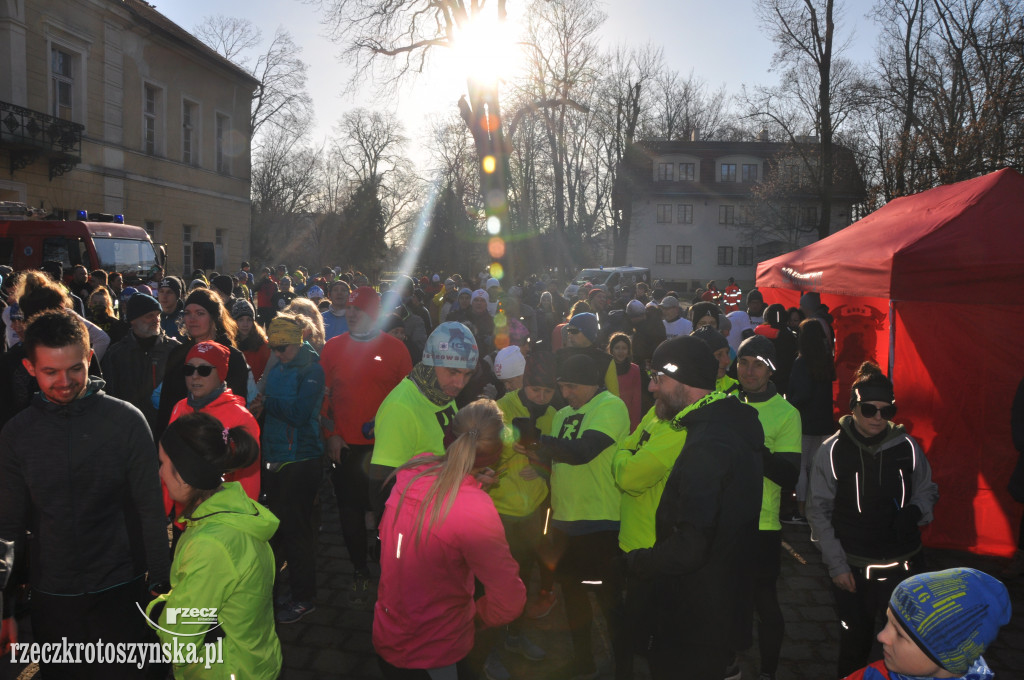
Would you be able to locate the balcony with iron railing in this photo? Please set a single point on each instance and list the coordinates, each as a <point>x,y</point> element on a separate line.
<point>30,135</point>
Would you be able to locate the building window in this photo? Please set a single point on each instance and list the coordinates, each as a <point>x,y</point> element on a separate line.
<point>151,119</point>
<point>186,250</point>
<point>664,172</point>
<point>728,172</point>
<point>727,214</point>
<point>664,212</point>
<point>684,254</point>
<point>684,213</point>
<point>789,215</point>
<point>749,172</point>
<point>222,140</point>
<point>188,132</point>
<point>687,171</point>
<point>747,214</point>
<point>663,254</point>
<point>746,256</point>
<point>810,216</point>
<point>724,254</point>
<point>62,74</point>
<point>151,230</point>
<point>220,239</point>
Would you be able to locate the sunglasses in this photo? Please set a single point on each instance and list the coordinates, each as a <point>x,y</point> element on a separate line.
<point>204,371</point>
<point>869,410</point>
<point>279,348</point>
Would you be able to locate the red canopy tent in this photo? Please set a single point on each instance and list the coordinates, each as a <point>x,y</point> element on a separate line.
<point>932,287</point>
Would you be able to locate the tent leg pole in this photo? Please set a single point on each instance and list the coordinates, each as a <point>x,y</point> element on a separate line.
<point>892,337</point>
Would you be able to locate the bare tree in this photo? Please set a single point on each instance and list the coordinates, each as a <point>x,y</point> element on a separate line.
<point>626,91</point>
<point>685,108</point>
<point>231,37</point>
<point>804,32</point>
<point>281,99</point>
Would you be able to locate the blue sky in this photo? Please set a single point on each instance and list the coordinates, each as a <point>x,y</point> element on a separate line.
<point>719,39</point>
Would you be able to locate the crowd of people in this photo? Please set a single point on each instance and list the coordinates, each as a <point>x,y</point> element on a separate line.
<point>165,443</point>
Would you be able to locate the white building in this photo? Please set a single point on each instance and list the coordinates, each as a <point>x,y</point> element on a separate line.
<point>705,211</point>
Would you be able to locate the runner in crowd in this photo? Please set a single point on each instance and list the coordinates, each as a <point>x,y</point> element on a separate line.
<point>223,560</point>
<point>871,488</point>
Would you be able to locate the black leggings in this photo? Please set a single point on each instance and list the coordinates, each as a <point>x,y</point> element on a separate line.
<point>589,557</point>
<point>771,626</point>
<point>858,613</point>
<point>292,496</point>
<point>351,482</point>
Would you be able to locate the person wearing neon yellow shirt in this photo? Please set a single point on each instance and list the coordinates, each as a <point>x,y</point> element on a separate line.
<point>584,499</point>
<point>521,491</point>
<point>755,363</point>
<point>416,415</point>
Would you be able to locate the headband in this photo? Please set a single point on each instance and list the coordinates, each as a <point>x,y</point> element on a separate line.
<point>193,469</point>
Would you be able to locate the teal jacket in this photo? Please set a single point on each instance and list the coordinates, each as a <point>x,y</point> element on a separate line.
<point>295,391</point>
<point>224,561</point>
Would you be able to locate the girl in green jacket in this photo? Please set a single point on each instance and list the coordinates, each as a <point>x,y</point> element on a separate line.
<point>220,605</point>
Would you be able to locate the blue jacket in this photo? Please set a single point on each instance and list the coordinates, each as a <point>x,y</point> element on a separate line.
<point>294,393</point>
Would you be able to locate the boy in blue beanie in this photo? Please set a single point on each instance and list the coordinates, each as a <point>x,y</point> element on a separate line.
<point>939,623</point>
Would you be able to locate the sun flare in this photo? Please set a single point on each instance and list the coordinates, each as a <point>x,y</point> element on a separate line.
<point>487,49</point>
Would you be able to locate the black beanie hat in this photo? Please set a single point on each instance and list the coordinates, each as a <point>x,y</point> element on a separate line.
<point>702,309</point>
<point>580,370</point>
<point>223,283</point>
<point>688,360</point>
<point>139,305</point>
<point>711,337</point>
<point>760,347</point>
<point>173,283</point>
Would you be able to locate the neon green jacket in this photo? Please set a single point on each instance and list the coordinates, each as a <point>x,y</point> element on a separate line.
<point>641,466</point>
<point>224,561</point>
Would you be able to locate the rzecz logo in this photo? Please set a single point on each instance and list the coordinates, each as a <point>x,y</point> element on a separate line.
<point>188,616</point>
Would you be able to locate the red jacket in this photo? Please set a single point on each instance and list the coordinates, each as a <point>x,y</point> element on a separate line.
<point>425,611</point>
<point>230,410</point>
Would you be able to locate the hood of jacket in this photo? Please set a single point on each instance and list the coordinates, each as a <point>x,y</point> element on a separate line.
<point>232,507</point>
<point>896,433</point>
<point>92,386</point>
<point>306,356</point>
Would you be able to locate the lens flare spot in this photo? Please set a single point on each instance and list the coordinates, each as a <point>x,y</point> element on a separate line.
<point>497,271</point>
<point>493,225</point>
<point>489,164</point>
<point>496,247</point>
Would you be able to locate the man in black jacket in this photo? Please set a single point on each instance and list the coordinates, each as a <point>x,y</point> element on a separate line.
<point>134,365</point>
<point>707,519</point>
<point>78,469</point>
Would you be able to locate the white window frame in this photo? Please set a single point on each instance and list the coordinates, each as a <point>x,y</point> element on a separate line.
<point>187,237</point>
<point>690,172</point>
<point>153,118</point>
<point>190,132</point>
<point>659,250</point>
<point>664,213</point>
<point>78,51</point>
<point>684,254</point>
<point>222,142</point>
<point>684,213</point>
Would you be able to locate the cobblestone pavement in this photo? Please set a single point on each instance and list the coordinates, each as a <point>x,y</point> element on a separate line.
<point>335,642</point>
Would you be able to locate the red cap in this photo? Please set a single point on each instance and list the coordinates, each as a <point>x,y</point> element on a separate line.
<point>216,354</point>
<point>365,299</point>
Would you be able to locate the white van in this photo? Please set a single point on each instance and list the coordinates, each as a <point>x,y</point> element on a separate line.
<point>611,279</point>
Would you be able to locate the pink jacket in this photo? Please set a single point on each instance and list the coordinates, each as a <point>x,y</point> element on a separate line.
<point>424,616</point>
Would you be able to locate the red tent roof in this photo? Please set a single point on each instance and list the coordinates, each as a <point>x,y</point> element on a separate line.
<point>961,242</point>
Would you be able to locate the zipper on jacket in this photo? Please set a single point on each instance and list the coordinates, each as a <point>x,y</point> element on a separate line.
<point>856,488</point>
<point>903,487</point>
